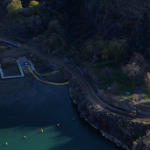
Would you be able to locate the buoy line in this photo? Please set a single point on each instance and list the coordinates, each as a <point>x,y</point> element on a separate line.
<point>25,136</point>
<point>46,74</point>
<point>47,82</point>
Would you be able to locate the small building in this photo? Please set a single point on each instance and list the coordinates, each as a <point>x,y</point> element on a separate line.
<point>24,11</point>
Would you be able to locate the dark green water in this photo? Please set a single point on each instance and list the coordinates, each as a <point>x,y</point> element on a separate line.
<point>43,106</point>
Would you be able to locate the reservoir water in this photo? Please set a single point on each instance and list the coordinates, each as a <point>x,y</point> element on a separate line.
<point>25,112</point>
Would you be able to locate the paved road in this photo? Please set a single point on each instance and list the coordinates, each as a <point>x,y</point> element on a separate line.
<point>84,83</point>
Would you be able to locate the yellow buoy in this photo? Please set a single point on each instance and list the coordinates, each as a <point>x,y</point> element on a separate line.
<point>24,137</point>
<point>41,130</point>
<point>73,118</point>
<point>58,125</point>
<point>6,143</point>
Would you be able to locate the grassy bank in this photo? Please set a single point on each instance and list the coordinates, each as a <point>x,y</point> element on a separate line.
<point>121,82</point>
<point>146,96</point>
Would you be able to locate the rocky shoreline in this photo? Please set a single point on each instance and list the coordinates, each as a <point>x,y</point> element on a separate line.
<point>123,131</point>
<point>96,126</point>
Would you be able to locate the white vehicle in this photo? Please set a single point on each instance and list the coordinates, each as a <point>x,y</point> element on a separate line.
<point>26,64</point>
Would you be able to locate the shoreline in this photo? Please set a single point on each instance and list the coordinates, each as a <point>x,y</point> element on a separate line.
<point>111,125</point>
<point>118,129</point>
<point>106,135</point>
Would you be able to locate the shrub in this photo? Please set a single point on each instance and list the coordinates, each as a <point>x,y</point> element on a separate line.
<point>13,8</point>
<point>34,7</point>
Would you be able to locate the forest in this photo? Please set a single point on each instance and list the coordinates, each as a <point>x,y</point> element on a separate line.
<point>113,48</point>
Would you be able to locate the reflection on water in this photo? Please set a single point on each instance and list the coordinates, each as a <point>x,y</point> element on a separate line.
<point>44,107</point>
<point>50,138</point>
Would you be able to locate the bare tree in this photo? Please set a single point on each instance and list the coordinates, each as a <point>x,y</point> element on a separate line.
<point>132,70</point>
<point>147,78</point>
<point>147,81</point>
<point>140,61</point>
<point>135,68</point>
<point>138,58</point>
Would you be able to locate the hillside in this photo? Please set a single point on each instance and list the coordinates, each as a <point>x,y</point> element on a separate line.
<point>108,40</point>
<point>128,8</point>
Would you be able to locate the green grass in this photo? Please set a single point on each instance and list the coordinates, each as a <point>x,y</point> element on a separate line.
<point>123,82</point>
<point>146,96</point>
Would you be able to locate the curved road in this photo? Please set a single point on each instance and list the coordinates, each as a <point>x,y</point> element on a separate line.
<point>84,83</point>
<point>86,86</point>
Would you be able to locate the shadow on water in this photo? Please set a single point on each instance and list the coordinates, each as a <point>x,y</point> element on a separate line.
<point>70,135</point>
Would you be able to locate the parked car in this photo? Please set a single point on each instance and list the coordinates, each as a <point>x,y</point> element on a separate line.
<point>26,64</point>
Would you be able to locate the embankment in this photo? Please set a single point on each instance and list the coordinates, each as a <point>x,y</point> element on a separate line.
<point>120,130</point>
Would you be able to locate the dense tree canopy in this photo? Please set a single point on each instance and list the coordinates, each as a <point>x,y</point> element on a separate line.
<point>54,42</point>
<point>54,27</point>
<point>114,49</point>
